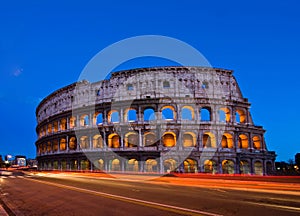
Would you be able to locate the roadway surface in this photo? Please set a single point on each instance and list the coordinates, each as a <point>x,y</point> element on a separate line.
<point>79,194</point>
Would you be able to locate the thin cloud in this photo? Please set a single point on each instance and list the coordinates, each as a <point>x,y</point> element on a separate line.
<point>17,72</point>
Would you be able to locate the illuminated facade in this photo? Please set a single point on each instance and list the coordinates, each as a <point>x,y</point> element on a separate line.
<point>182,119</point>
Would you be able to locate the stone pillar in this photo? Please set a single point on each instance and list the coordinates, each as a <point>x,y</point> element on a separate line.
<point>90,142</point>
<point>67,143</point>
<point>122,140</point>
<point>121,116</point>
<point>141,145</point>
<point>161,165</point>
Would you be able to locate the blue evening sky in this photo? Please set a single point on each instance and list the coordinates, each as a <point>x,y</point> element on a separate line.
<point>44,45</point>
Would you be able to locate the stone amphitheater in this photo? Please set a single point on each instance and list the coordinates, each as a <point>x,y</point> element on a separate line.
<point>152,120</point>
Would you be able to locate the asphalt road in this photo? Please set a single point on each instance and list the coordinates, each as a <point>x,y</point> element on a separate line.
<point>67,194</point>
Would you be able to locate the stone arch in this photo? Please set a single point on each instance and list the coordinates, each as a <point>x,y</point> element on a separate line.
<point>205,114</point>
<point>49,128</point>
<point>245,167</point>
<point>114,141</point>
<point>84,120</point>
<point>55,145</point>
<point>256,142</point>
<point>209,140</point>
<point>190,165</point>
<point>63,144</point>
<point>149,114</point>
<point>189,139</point>
<point>224,114</point>
<point>168,113</point>
<point>115,165</point>
<point>227,167</point>
<point>240,116</point>
<point>227,141</point>
<point>85,164</point>
<point>151,165</point>
<point>258,167</point>
<point>98,119</point>
<point>73,143</point>
<point>131,139</point>
<point>187,113</point>
<point>55,126</point>
<point>210,166</point>
<point>243,141</point>
<point>132,165</point>
<point>113,116</point>
<point>169,139</point>
<point>63,124</point>
<point>170,165</point>
<point>130,115</point>
<point>84,142</point>
<point>97,141</point>
<point>72,122</point>
<point>99,164</point>
<point>150,139</point>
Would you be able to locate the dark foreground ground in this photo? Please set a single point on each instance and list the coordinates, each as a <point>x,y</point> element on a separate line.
<point>27,193</point>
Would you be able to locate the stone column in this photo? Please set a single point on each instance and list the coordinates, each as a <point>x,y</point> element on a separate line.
<point>141,145</point>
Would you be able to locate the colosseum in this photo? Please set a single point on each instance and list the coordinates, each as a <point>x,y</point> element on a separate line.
<point>152,120</point>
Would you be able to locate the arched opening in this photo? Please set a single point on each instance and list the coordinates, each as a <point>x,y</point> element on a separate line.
<point>168,113</point>
<point>243,141</point>
<point>244,167</point>
<point>115,165</point>
<point>190,166</point>
<point>113,116</point>
<point>55,146</point>
<point>84,144</point>
<point>132,165</point>
<point>49,128</point>
<point>224,114</point>
<point>209,140</point>
<point>210,166</point>
<point>85,164</point>
<point>240,116</point>
<point>49,147</point>
<point>99,119</point>
<point>63,144</point>
<point>149,114</point>
<point>166,84</point>
<point>205,114</point>
<point>228,167</point>
<point>73,165</point>
<point>169,139</point>
<point>72,143</point>
<point>63,124</point>
<point>97,141</point>
<point>258,168</point>
<point>151,165</point>
<point>72,122</point>
<point>130,115</point>
<point>187,113</point>
<point>63,165</point>
<point>170,165</point>
<point>114,141</point>
<point>84,120</point>
<point>55,126</point>
<point>99,164</point>
<point>256,142</point>
<point>150,139</point>
<point>189,140</point>
<point>131,139</point>
<point>227,141</point>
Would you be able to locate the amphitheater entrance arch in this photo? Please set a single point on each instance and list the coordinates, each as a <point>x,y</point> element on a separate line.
<point>228,167</point>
